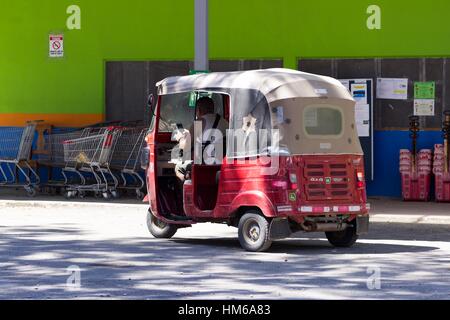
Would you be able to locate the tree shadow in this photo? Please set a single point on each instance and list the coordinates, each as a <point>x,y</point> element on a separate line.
<point>34,262</point>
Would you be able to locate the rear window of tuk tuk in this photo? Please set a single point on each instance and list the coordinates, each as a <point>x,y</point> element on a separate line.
<point>322,120</point>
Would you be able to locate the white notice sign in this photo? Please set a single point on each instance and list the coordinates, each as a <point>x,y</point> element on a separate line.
<point>362,113</point>
<point>424,107</point>
<point>56,46</point>
<point>388,88</point>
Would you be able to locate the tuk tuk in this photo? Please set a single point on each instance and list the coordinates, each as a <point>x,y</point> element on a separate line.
<point>290,159</point>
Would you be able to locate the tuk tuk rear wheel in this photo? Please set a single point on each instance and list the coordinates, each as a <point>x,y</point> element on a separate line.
<point>254,232</point>
<point>343,239</point>
<point>160,229</point>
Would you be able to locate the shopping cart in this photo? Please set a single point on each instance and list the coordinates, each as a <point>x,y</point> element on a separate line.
<point>52,157</point>
<point>92,155</point>
<point>126,159</point>
<point>15,154</point>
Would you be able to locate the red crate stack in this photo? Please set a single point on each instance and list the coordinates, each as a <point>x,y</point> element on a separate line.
<point>442,178</point>
<point>416,179</point>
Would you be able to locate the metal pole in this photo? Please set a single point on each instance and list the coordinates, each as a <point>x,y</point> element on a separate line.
<point>446,131</point>
<point>414,130</point>
<point>201,35</point>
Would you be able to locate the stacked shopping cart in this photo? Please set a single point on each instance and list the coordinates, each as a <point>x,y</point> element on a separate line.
<point>16,170</point>
<point>52,157</point>
<point>126,160</point>
<point>110,157</point>
<point>101,159</point>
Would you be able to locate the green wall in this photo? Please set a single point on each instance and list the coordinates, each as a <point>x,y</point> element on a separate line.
<point>30,82</point>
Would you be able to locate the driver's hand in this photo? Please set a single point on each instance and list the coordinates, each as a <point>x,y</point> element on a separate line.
<point>179,134</point>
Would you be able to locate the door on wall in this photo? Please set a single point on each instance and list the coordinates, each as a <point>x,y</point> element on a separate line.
<point>128,83</point>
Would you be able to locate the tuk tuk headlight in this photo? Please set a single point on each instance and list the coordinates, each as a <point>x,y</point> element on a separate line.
<point>145,158</point>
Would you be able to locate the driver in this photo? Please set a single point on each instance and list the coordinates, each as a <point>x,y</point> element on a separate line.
<point>210,120</point>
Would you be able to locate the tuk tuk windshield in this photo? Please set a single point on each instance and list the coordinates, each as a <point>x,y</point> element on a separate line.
<point>178,110</point>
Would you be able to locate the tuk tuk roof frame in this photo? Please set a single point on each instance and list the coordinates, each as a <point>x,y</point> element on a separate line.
<point>274,84</point>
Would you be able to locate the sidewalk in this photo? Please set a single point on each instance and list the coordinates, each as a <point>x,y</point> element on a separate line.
<point>383,210</point>
<point>396,210</point>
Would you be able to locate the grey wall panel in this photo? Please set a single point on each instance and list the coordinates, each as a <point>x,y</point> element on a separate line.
<point>262,64</point>
<point>356,68</point>
<point>241,65</point>
<point>224,66</point>
<point>114,90</point>
<point>318,66</point>
<point>446,84</point>
<point>434,71</point>
<point>392,114</point>
<point>128,84</point>
<point>134,89</point>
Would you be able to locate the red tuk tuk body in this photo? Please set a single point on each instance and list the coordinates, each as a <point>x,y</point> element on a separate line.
<point>316,184</point>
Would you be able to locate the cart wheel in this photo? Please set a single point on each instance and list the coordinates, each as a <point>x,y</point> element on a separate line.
<point>106,195</point>
<point>254,232</point>
<point>140,195</point>
<point>160,229</point>
<point>81,194</point>
<point>31,192</point>
<point>69,194</point>
<point>343,239</point>
<point>115,194</point>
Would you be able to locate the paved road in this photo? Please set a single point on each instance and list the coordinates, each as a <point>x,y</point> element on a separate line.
<point>119,260</point>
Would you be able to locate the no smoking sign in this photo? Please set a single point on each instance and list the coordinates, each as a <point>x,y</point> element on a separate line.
<point>56,49</point>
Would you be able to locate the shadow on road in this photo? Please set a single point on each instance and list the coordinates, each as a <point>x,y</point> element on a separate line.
<point>311,246</point>
<point>33,262</point>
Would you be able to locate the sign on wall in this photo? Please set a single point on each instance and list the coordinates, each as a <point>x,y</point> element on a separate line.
<point>362,91</point>
<point>425,90</point>
<point>390,88</point>
<point>424,95</point>
<point>358,89</point>
<point>424,107</point>
<point>56,46</point>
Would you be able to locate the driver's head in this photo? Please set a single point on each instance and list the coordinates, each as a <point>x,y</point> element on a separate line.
<point>205,105</point>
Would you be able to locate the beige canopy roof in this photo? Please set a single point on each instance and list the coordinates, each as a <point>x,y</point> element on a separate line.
<point>274,84</point>
<point>277,99</point>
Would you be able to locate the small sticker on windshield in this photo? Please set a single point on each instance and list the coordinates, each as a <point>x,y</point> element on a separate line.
<point>280,115</point>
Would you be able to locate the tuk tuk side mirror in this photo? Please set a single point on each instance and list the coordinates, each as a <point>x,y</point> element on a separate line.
<point>151,101</point>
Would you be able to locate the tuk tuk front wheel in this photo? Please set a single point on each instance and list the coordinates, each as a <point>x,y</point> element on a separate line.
<point>160,229</point>
<point>254,232</point>
<point>345,238</point>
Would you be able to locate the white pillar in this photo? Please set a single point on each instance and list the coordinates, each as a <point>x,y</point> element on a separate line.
<point>201,35</point>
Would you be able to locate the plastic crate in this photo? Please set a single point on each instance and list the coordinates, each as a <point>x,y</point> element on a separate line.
<point>442,178</point>
<point>416,181</point>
